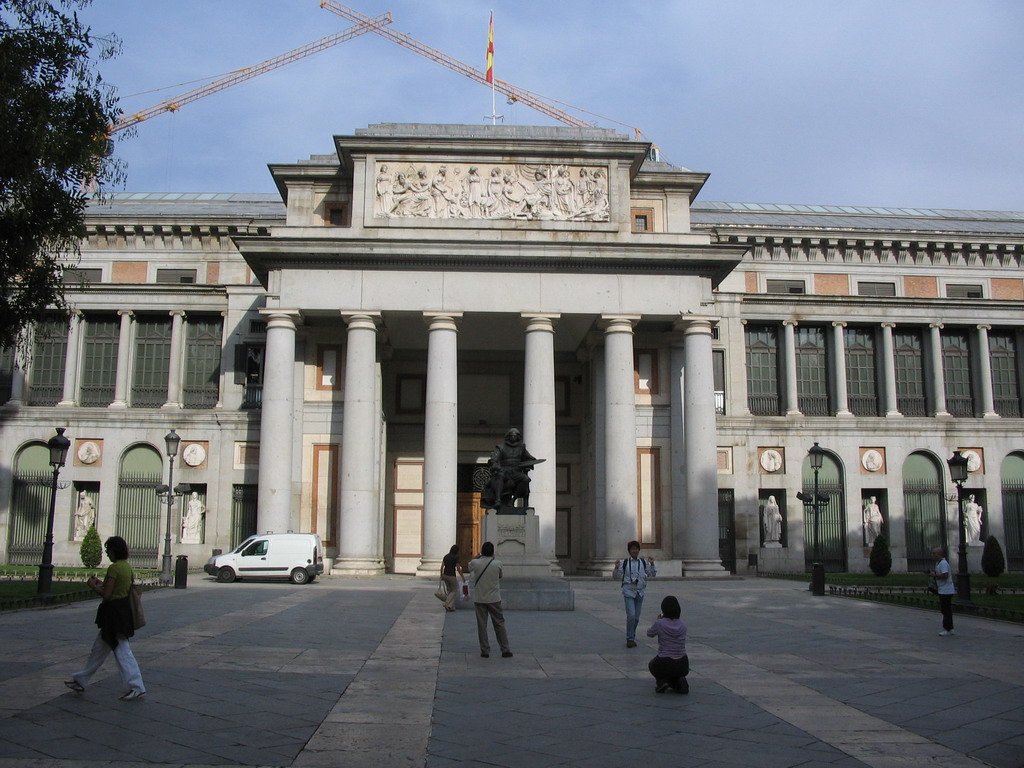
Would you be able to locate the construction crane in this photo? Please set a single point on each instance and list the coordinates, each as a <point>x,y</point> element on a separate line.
<point>173,105</point>
<point>510,91</point>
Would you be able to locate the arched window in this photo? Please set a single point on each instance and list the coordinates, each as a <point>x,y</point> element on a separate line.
<point>1012,473</point>
<point>30,505</point>
<point>832,520</point>
<point>138,506</point>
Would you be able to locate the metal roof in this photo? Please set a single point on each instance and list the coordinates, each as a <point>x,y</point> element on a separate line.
<point>774,215</point>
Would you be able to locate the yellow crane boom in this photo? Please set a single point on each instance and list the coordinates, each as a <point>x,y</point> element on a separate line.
<point>174,104</point>
<point>510,91</point>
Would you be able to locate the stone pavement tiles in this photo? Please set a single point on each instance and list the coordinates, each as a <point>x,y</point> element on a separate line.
<point>779,679</point>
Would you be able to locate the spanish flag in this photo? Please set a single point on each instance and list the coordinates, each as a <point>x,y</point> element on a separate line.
<point>490,50</point>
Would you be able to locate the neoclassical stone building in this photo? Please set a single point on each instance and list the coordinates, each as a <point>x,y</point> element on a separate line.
<point>343,357</point>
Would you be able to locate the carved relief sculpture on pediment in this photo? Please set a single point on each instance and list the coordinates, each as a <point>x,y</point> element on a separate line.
<point>531,192</point>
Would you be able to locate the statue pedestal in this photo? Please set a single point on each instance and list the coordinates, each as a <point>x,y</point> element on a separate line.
<point>530,581</point>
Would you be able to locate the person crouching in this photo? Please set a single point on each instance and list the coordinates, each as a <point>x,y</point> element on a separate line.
<point>671,666</point>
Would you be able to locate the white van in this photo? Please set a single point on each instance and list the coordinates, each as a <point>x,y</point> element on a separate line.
<point>295,556</point>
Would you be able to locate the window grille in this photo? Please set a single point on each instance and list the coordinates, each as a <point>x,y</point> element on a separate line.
<point>876,289</point>
<point>1006,388</point>
<point>910,392</point>
<point>202,362</point>
<point>48,360</point>
<point>785,286</point>
<point>956,369</point>
<point>762,343</point>
<point>152,362</point>
<point>811,371</point>
<point>186,276</point>
<point>861,371</point>
<point>99,360</point>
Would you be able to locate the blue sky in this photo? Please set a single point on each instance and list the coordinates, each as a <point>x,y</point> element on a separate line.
<point>906,103</point>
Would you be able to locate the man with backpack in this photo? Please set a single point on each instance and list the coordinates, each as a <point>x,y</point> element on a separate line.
<point>633,573</point>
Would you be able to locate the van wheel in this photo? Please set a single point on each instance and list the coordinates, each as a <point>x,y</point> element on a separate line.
<point>225,575</point>
<point>299,576</point>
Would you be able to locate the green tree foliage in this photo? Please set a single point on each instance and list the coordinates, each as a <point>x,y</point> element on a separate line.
<point>880,560</point>
<point>55,115</point>
<point>992,561</point>
<point>91,552</point>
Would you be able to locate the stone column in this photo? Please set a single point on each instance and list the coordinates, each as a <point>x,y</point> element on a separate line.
<point>70,394</point>
<point>839,369</point>
<point>677,425</point>
<point>174,367</point>
<point>620,472</point>
<point>938,379</point>
<point>274,502</point>
<point>890,403</point>
<point>441,434</point>
<point>700,546</point>
<point>359,547</point>
<point>124,356</point>
<point>789,350</point>
<point>988,407</point>
<point>539,423</point>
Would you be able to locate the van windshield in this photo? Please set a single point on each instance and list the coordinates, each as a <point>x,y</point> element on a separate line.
<point>242,546</point>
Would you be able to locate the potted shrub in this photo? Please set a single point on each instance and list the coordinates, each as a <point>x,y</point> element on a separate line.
<point>880,560</point>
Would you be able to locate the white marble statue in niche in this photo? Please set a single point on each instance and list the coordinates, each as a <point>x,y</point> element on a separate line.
<point>872,520</point>
<point>533,192</point>
<point>85,515</point>
<point>192,521</point>
<point>772,524</point>
<point>972,522</point>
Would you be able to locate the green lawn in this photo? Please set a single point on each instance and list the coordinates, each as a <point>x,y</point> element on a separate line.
<point>20,582</point>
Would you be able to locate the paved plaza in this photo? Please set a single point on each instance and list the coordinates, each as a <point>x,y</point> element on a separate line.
<point>372,672</point>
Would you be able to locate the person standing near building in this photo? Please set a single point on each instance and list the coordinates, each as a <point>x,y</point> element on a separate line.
<point>671,666</point>
<point>944,583</point>
<point>633,573</point>
<point>449,568</point>
<point>487,600</point>
<point>114,618</point>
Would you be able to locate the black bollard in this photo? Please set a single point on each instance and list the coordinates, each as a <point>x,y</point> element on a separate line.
<point>181,572</point>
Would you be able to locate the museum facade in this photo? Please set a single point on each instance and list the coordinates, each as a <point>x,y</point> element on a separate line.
<point>343,357</point>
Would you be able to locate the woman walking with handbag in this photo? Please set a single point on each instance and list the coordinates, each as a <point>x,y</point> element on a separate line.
<point>449,568</point>
<point>114,618</point>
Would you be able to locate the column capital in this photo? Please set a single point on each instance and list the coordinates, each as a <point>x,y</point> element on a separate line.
<point>281,317</point>
<point>937,326</point>
<point>888,325</point>
<point>619,323</point>
<point>691,324</point>
<point>126,313</point>
<point>365,320</point>
<point>539,321</point>
<point>984,326</point>
<point>793,323</point>
<point>177,313</point>
<point>839,323</point>
<point>440,320</point>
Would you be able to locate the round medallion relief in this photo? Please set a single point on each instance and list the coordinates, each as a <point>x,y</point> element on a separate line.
<point>771,460</point>
<point>973,460</point>
<point>871,460</point>
<point>194,454</point>
<point>88,452</point>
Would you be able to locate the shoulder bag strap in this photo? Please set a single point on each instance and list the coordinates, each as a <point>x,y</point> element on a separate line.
<point>477,581</point>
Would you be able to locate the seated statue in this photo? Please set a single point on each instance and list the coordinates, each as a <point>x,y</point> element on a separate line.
<point>509,465</point>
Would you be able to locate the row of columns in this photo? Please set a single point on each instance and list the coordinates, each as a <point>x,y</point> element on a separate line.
<point>360,545</point>
<point>73,362</point>
<point>890,404</point>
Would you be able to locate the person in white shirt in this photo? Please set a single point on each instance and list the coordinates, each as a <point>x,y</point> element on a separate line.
<point>486,572</point>
<point>633,573</point>
<point>944,583</point>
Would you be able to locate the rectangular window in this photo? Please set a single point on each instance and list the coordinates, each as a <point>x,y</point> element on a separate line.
<point>718,370</point>
<point>202,362</point>
<point>77,276</point>
<point>861,371</point>
<point>99,360</point>
<point>643,219</point>
<point>152,362</point>
<point>762,345</point>
<point>876,289</point>
<point>249,373</point>
<point>649,496</point>
<point>960,291</point>
<point>1005,373</point>
<point>812,371</point>
<point>328,366</point>
<point>6,373</point>
<point>175,275</point>
<point>645,371</point>
<point>49,356</point>
<point>785,286</point>
<point>337,215</point>
<point>910,392</point>
<point>956,369</point>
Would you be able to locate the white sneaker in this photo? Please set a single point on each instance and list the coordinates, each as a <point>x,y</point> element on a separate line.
<point>944,632</point>
<point>133,695</point>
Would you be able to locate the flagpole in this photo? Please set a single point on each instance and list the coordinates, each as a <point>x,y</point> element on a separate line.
<point>490,71</point>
